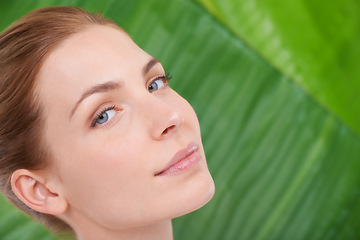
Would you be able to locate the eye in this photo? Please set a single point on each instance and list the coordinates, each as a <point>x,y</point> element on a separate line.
<point>159,83</point>
<point>155,85</point>
<point>104,116</point>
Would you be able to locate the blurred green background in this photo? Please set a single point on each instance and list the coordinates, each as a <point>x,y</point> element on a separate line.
<point>276,87</point>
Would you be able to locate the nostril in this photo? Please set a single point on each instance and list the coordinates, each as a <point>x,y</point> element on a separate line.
<point>168,129</point>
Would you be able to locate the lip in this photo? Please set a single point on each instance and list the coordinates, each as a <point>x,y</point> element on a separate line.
<point>182,160</point>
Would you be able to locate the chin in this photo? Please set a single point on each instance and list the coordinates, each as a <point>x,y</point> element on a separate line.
<point>202,191</point>
<point>208,191</point>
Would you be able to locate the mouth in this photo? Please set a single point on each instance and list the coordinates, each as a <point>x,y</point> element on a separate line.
<point>183,160</point>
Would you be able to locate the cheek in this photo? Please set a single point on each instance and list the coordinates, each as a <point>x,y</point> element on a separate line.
<point>96,163</point>
<point>102,181</point>
<point>107,163</point>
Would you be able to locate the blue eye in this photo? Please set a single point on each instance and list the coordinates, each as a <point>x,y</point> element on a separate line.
<point>160,82</point>
<point>103,116</point>
<point>156,85</point>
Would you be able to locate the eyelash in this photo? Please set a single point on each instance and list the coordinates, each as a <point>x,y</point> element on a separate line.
<point>93,121</point>
<point>168,76</point>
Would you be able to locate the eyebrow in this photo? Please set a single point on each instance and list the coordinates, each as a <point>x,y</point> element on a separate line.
<point>99,88</point>
<point>153,61</point>
<point>109,86</point>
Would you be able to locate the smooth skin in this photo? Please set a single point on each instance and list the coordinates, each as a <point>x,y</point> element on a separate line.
<point>111,125</point>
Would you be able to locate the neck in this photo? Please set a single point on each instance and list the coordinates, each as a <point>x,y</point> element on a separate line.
<point>158,231</point>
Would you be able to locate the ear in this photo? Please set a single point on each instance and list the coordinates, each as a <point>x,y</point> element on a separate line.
<point>30,187</point>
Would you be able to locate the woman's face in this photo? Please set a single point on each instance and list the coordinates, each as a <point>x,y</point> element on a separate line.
<point>126,148</point>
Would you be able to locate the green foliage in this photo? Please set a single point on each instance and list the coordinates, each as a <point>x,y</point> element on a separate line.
<point>314,43</point>
<point>275,116</point>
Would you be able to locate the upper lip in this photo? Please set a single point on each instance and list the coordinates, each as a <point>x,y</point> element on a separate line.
<point>180,155</point>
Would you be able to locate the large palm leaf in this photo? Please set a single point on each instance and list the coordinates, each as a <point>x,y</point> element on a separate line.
<point>281,137</point>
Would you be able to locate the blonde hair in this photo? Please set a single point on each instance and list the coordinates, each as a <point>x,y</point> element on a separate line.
<point>24,46</point>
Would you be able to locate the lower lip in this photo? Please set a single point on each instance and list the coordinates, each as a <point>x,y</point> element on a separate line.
<point>183,165</point>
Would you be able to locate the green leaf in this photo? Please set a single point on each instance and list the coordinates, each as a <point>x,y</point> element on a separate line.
<point>284,161</point>
<point>314,43</point>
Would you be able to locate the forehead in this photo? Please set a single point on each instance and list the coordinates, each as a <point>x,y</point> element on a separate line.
<point>96,46</point>
<point>95,55</point>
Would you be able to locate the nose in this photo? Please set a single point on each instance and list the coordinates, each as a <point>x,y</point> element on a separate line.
<point>163,118</point>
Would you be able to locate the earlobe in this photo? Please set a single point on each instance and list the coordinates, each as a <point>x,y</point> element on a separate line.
<point>30,188</point>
